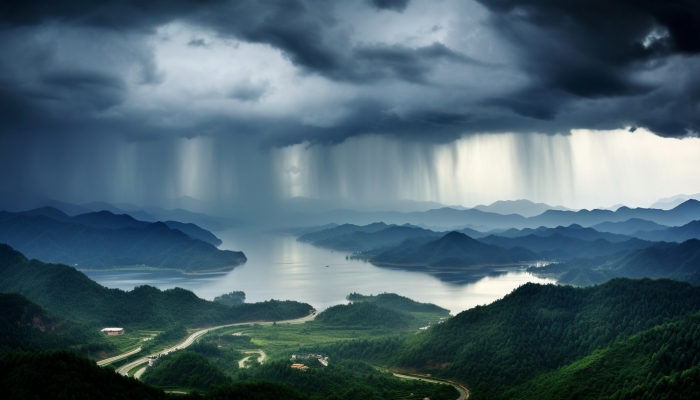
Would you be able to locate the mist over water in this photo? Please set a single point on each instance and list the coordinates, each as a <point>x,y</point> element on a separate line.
<point>281,268</point>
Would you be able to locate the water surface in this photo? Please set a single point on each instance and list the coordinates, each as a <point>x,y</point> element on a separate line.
<point>281,268</point>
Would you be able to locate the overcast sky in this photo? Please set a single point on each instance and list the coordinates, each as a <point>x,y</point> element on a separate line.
<point>580,103</point>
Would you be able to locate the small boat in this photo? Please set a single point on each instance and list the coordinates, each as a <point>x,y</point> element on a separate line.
<point>326,266</point>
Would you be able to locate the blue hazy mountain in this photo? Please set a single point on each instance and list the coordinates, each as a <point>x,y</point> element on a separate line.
<point>341,230</point>
<point>109,220</point>
<point>357,238</point>
<point>628,227</point>
<point>559,247</point>
<point>450,217</point>
<point>661,260</point>
<point>453,250</point>
<point>103,240</point>
<point>526,208</point>
<point>573,231</point>
<point>678,234</point>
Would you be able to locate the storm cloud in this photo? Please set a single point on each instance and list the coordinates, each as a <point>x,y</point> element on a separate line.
<point>492,66</point>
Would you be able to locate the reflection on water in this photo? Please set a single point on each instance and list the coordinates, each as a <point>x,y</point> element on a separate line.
<point>282,268</point>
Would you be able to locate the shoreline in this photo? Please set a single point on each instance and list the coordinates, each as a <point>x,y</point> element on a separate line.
<point>151,269</point>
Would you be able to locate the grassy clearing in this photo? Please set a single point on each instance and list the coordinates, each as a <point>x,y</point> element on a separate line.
<point>280,341</point>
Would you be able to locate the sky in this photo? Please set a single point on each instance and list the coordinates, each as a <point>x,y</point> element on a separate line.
<point>579,103</point>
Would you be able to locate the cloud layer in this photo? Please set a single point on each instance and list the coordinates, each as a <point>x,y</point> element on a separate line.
<point>290,71</point>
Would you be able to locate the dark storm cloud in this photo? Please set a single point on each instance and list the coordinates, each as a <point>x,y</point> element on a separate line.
<point>580,50</point>
<point>586,63</point>
<point>395,5</point>
<point>370,63</point>
<point>302,29</point>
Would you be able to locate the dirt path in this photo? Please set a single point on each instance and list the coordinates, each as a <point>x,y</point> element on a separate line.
<point>463,392</point>
<point>124,370</point>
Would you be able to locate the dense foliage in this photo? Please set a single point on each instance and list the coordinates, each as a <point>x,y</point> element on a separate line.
<point>660,363</point>
<point>26,326</point>
<point>231,298</point>
<point>364,314</point>
<point>254,390</point>
<point>396,302</point>
<point>185,369</point>
<point>68,293</point>
<point>349,380</point>
<point>155,245</point>
<point>65,375</point>
<point>539,328</point>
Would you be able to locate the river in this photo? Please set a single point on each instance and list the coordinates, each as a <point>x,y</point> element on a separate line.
<point>281,268</point>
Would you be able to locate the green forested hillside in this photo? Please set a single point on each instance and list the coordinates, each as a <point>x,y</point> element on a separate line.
<point>185,369</point>
<point>399,303</point>
<point>106,246</point>
<point>348,380</point>
<point>659,363</point>
<point>65,375</point>
<point>26,326</point>
<point>539,328</point>
<point>68,293</point>
<point>365,314</point>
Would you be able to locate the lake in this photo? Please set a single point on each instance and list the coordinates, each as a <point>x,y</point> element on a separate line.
<point>281,268</point>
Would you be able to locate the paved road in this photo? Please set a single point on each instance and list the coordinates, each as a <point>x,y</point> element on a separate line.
<point>140,372</point>
<point>119,357</point>
<point>261,357</point>
<point>124,370</point>
<point>463,392</point>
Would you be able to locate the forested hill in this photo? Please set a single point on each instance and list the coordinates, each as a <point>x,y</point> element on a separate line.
<point>68,293</point>
<point>110,243</point>
<point>399,303</point>
<point>454,249</point>
<point>662,260</point>
<point>539,328</point>
<point>26,326</point>
<point>660,363</point>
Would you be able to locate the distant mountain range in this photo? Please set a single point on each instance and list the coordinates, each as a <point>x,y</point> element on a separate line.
<point>103,240</point>
<point>671,202</point>
<point>525,208</point>
<point>628,227</point>
<point>483,221</point>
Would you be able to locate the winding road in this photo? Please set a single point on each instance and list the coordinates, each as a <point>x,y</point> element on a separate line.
<point>261,357</point>
<point>124,370</point>
<point>463,392</point>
